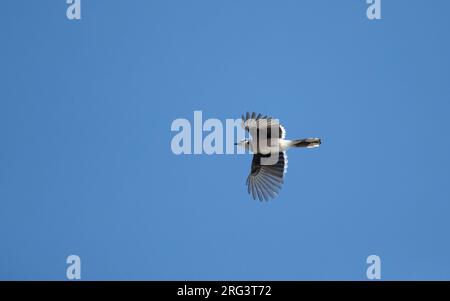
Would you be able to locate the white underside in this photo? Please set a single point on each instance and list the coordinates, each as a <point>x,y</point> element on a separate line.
<point>271,146</point>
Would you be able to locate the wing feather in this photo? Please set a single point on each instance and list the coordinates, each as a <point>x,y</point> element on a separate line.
<point>255,123</point>
<point>264,181</point>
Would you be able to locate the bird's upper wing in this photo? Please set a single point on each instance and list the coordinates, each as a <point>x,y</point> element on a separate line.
<point>264,181</point>
<point>259,124</point>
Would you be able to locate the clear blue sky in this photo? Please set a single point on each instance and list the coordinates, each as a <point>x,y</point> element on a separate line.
<point>86,166</point>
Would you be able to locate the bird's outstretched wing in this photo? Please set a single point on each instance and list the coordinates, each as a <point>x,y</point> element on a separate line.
<point>257,124</point>
<point>264,181</point>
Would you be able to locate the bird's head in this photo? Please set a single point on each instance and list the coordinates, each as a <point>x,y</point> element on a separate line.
<point>243,143</point>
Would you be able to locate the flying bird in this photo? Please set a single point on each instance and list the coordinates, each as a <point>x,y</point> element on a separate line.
<point>268,145</point>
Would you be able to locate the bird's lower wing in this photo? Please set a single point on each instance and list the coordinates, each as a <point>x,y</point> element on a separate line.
<point>264,181</point>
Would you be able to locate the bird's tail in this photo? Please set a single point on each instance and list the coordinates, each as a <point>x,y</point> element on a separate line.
<point>308,142</point>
